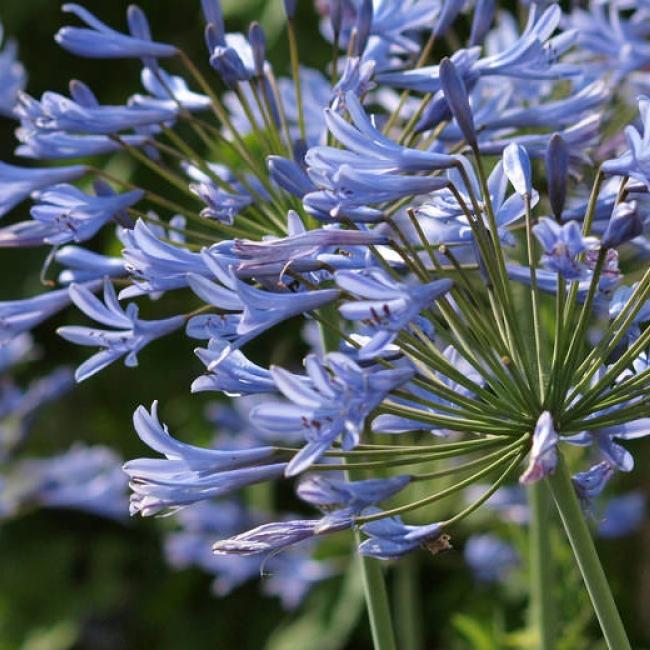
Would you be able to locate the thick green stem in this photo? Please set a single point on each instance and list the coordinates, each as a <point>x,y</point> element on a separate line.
<point>379,614</point>
<point>541,569</point>
<point>585,553</point>
<point>408,615</point>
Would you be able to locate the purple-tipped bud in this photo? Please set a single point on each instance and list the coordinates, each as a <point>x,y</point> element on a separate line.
<point>257,42</point>
<point>483,16</point>
<point>456,95</point>
<point>290,8</point>
<point>363,26</point>
<point>229,65</point>
<point>556,161</point>
<point>516,165</point>
<point>449,12</point>
<point>336,15</point>
<point>624,225</point>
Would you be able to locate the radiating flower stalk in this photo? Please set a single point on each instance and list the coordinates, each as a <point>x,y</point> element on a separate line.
<point>401,205</point>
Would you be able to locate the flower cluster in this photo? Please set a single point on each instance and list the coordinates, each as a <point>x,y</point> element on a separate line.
<point>429,217</point>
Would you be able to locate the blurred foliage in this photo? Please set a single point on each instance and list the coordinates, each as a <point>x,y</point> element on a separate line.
<point>73,581</point>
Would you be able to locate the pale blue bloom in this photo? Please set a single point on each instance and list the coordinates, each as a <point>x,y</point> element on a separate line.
<point>385,306</point>
<point>234,375</point>
<point>625,224</point>
<point>622,515</point>
<point>129,334</point>
<point>188,473</point>
<point>84,478</point>
<point>543,453</point>
<point>391,538</point>
<point>331,403</point>
<point>99,41</point>
<point>17,183</point>
<point>450,225</point>
<point>19,316</point>
<point>72,215</point>
<point>83,114</point>
<point>591,483</point>
<point>167,91</point>
<point>13,77</point>
<point>156,265</point>
<point>516,166</point>
<point>562,244</point>
<point>489,558</point>
<point>83,265</point>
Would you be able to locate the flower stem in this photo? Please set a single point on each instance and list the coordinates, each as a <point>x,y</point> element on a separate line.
<point>379,614</point>
<point>540,571</point>
<point>585,553</point>
<point>408,616</point>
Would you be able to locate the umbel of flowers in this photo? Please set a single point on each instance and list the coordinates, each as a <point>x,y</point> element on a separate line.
<point>430,214</point>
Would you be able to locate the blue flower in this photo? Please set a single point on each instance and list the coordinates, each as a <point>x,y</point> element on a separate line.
<point>188,473</point>
<point>591,483</point>
<point>562,245</point>
<point>83,114</point>
<point>99,41</point>
<point>342,500</point>
<point>13,77</point>
<point>450,225</point>
<point>625,224</point>
<point>72,215</point>
<point>129,336</point>
<point>543,453</point>
<point>391,538</point>
<point>234,375</point>
<point>167,92</point>
<point>84,478</point>
<point>386,306</point>
<point>332,402</point>
<point>516,166</point>
<point>622,516</point>
<point>302,251</point>
<point>84,265</point>
<point>489,558</point>
<point>17,183</point>
<point>268,538</point>
<point>259,309</point>
<point>18,316</point>
<point>155,264</point>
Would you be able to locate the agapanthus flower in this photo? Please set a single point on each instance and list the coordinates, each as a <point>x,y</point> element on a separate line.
<point>13,76</point>
<point>331,403</point>
<point>129,334</point>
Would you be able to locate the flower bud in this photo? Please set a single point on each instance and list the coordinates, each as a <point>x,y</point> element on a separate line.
<point>456,95</point>
<point>556,162</point>
<point>257,42</point>
<point>363,26</point>
<point>624,225</point>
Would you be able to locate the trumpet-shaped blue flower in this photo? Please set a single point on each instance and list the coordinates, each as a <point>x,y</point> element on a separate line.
<point>451,226</point>
<point>17,183</point>
<point>625,224</point>
<point>167,91</point>
<point>99,41</point>
<point>129,336</point>
<point>156,265</point>
<point>188,473</point>
<point>332,403</point>
<point>83,265</point>
<point>591,483</point>
<point>234,375</point>
<point>72,215</point>
<point>386,306</point>
<point>562,245</point>
<point>19,316</point>
<point>391,538</point>
<point>83,114</point>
